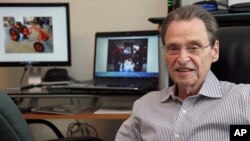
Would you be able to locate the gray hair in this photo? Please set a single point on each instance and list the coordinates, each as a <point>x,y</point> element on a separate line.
<point>190,12</point>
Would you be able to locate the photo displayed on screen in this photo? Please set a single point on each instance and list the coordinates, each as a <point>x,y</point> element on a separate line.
<point>28,34</point>
<point>127,55</point>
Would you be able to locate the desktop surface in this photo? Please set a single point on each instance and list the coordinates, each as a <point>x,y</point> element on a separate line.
<point>61,92</point>
<point>83,115</point>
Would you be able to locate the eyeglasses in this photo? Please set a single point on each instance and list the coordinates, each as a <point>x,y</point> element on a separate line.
<point>191,48</point>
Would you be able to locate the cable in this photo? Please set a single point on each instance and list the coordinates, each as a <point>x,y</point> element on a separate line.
<point>24,71</point>
<point>79,127</point>
<point>18,101</point>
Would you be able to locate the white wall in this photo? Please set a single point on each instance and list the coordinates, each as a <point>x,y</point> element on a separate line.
<point>3,78</point>
<point>88,17</point>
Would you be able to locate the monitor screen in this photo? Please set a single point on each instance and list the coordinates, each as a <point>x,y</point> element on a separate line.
<point>34,34</point>
<point>130,54</point>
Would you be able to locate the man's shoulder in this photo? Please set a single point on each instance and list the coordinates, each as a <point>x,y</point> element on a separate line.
<point>152,94</point>
<point>156,95</point>
<point>229,87</point>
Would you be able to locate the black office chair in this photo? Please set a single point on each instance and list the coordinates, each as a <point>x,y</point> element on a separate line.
<point>234,61</point>
<point>15,128</point>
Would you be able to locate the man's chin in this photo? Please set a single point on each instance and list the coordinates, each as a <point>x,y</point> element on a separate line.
<point>187,82</point>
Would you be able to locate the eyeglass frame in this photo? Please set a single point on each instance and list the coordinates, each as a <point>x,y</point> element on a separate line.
<point>191,49</point>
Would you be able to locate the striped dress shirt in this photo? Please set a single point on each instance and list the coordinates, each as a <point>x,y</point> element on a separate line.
<point>207,116</point>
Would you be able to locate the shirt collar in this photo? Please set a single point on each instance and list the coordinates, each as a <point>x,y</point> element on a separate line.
<point>210,88</point>
<point>168,93</point>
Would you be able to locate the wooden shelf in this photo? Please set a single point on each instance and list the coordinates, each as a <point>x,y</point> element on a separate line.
<point>77,116</point>
<point>224,18</point>
<point>87,114</point>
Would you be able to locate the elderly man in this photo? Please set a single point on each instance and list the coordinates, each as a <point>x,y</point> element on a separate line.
<point>198,107</point>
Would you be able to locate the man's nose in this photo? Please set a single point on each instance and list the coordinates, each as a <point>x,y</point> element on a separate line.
<point>183,56</point>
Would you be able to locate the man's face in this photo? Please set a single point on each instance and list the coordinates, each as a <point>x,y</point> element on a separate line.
<point>188,52</point>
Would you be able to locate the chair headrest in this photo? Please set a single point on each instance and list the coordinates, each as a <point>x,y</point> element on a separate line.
<point>234,61</point>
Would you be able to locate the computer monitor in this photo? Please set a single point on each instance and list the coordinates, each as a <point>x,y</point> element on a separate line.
<point>34,34</point>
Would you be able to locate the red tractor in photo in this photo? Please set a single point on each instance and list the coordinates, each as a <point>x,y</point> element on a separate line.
<point>20,31</point>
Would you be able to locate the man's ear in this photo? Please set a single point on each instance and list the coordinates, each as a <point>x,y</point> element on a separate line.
<point>215,51</point>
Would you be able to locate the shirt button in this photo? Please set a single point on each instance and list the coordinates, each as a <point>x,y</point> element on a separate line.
<point>176,135</point>
<point>184,111</point>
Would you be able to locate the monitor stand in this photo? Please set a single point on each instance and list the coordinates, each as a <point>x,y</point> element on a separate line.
<point>35,75</point>
<point>34,79</point>
<point>33,86</point>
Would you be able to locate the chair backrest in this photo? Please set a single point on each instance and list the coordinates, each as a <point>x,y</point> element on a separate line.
<point>13,126</point>
<point>234,61</point>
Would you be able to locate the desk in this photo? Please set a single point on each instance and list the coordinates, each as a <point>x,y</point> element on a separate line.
<point>82,115</point>
<point>86,114</point>
<point>68,93</point>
